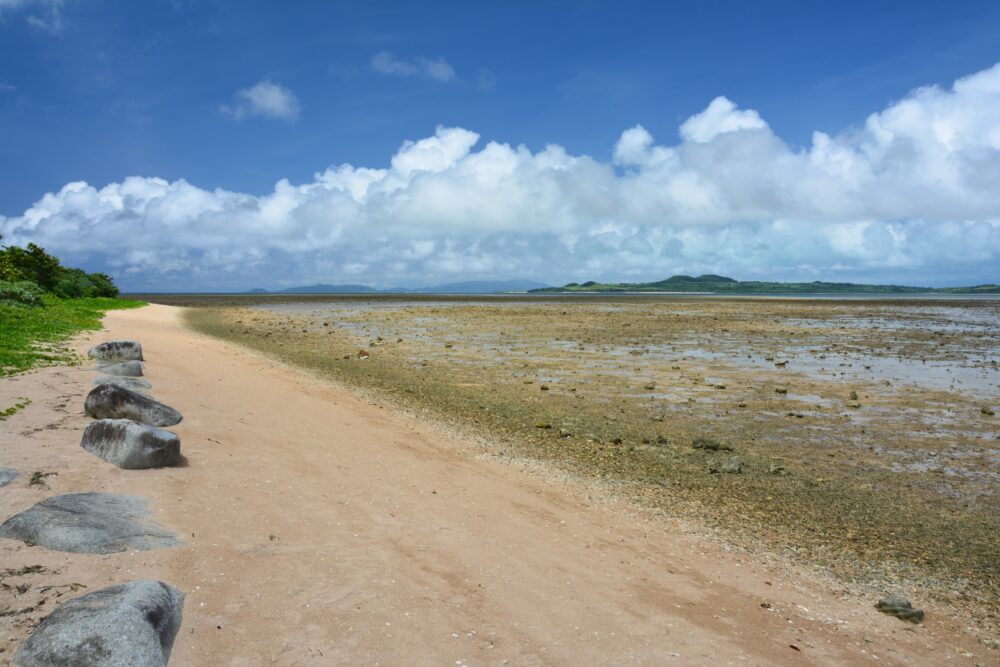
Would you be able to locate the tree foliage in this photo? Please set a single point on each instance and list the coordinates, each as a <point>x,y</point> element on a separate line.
<point>33,265</point>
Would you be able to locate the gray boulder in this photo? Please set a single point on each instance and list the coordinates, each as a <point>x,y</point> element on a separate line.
<point>116,350</point>
<point>131,445</point>
<point>8,475</point>
<point>123,368</point>
<point>108,401</point>
<point>128,625</point>
<point>88,523</point>
<point>135,384</point>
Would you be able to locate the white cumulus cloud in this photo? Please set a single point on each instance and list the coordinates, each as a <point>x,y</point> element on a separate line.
<point>266,99</point>
<point>907,195</point>
<point>720,117</point>
<point>431,68</point>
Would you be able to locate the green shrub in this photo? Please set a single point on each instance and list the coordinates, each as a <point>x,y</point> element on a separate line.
<point>22,291</point>
<point>37,266</point>
<point>73,284</point>
<point>31,263</point>
<point>103,285</point>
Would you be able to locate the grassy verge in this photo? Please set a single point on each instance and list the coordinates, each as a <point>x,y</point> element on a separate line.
<point>31,337</point>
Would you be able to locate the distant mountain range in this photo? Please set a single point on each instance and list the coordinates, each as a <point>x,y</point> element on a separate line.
<point>469,287</point>
<point>722,285</point>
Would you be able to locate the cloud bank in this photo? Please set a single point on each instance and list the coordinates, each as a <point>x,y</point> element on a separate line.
<point>908,195</point>
<point>265,99</point>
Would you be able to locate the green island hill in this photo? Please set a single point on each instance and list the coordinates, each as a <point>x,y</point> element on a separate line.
<point>713,284</point>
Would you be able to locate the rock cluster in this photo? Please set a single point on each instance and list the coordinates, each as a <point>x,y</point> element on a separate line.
<point>131,624</point>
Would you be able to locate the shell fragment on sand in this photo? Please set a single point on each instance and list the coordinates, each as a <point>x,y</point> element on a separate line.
<point>131,445</point>
<point>117,350</point>
<point>91,523</point>
<point>128,625</point>
<point>109,401</point>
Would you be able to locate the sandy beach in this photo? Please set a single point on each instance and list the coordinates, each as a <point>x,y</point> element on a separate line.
<point>321,528</point>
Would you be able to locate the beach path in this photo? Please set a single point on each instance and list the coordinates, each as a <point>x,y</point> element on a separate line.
<point>322,528</point>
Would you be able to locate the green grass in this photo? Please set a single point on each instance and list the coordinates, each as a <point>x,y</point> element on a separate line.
<point>31,337</point>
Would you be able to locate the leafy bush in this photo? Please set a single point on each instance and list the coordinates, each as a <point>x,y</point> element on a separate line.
<point>31,263</point>
<point>103,285</point>
<point>73,284</point>
<point>35,265</point>
<point>22,291</point>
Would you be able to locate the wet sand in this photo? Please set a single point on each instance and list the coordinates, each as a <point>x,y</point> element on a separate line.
<point>322,529</point>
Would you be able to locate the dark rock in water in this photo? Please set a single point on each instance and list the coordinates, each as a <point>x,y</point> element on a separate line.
<point>8,475</point>
<point>710,444</point>
<point>128,625</point>
<point>135,384</point>
<point>108,401</point>
<point>116,350</point>
<point>123,368</point>
<point>900,607</point>
<point>89,523</point>
<point>732,467</point>
<point>131,445</point>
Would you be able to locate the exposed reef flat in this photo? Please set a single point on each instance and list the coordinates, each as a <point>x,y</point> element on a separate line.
<point>855,434</point>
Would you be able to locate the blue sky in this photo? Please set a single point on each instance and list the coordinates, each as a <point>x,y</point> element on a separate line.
<point>212,104</point>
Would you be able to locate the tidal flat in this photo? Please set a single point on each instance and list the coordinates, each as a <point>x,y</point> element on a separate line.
<point>856,436</point>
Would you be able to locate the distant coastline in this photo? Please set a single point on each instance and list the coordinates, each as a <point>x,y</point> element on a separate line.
<point>679,285</point>
<point>467,287</point>
<point>714,284</point>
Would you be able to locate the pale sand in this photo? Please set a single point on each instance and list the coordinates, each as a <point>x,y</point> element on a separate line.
<point>323,529</point>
